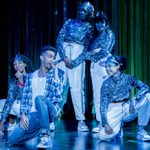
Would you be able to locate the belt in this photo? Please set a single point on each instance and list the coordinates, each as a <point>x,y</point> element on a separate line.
<point>117,101</point>
<point>124,100</point>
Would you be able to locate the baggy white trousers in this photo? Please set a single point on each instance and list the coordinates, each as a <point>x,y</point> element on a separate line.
<point>119,113</point>
<point>76,77</point>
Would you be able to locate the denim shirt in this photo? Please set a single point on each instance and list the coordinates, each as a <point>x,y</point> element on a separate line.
<point>77,31</point>
<point>53,91</point>
<point>117,89</point>
<point>14,94</point>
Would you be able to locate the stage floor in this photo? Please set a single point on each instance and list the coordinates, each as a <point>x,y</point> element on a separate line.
<point>66,137</point>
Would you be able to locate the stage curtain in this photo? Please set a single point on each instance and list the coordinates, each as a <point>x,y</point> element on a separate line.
<point>27,25</point>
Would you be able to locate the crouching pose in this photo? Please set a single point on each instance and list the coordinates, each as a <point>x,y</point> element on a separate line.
<point>11,109</point>
<point>116,104</point>
<point>41,101</point>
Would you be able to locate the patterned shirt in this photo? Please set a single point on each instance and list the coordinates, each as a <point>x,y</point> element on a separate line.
<point>53,91</point>
<point>102,45</point>
<point>75,30</point>
<point>14,94</point>
<point>117,89</point>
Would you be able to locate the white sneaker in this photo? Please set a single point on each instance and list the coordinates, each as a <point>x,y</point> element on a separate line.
<point>97,128</point>
<point>82,126</point>
<point>52,126</point>
<point>11,127</point>
<point>143,136</point>
<point>45,142</point>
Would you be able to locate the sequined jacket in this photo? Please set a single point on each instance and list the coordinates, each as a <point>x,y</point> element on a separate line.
<point>14,94</point>
<point>116,89</point>
<point>53,91</point>
<point>102,45</point>
<point>76,31</point>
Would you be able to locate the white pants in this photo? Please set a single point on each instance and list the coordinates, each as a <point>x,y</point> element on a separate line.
<point>119,113</point>
<point>75,77</point>
<point>98,75</point>
<point>15,110</point>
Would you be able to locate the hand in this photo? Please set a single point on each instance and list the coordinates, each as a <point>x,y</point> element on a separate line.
<point>55,67</point>
<point>108,129</point>
<point>18,75</point>
<point>68,62</point>
<point>24,124</point>
<point>103,53</point>
<point>1,126</point>
<point>53,64</point>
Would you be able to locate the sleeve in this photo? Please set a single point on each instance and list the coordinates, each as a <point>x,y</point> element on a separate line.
<point>104,102</point>
<point>57,88</point>
<point>61,39</point>
<point>9,101</point>
<point>25,96</point>
<point>106,46</point>
<point>142,88</point>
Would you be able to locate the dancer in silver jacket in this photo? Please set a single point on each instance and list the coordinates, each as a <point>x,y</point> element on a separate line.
<point>100,49</point>
<point>72,44</point>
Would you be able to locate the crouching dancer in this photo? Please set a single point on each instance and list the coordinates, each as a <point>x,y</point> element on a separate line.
<point>116,104</point>
<point>41,101</point>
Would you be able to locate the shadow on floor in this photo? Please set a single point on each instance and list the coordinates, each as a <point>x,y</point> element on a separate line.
<point>66,137</point>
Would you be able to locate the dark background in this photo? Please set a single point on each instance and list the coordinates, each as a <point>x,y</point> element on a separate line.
<point>27,25</point>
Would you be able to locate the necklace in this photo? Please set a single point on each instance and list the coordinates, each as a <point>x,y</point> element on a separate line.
<point>21,84</point>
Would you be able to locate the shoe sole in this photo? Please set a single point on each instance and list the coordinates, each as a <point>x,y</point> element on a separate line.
<point>38,146</point>
<point>52,129</point>
<point>85,130</point>
<point>95,131</point>
<point>143,139</point>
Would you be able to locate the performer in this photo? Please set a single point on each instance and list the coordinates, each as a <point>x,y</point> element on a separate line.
<point>117,105</point>
<point>100,49</point>
<point>21,67</point>
<point>72,43</point>
<point>42,91</point>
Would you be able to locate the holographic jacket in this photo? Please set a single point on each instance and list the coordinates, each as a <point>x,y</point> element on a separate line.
<point>75,30</point>
<point>117,89</point>
<point>102,45</point>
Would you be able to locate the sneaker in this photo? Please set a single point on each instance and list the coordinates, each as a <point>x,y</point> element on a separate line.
<point>45,142</point>
<point>97,128</point>
<point>11,126</point>
<point>143,136</point>
<point>82,126</point>
<point>52,126</point>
